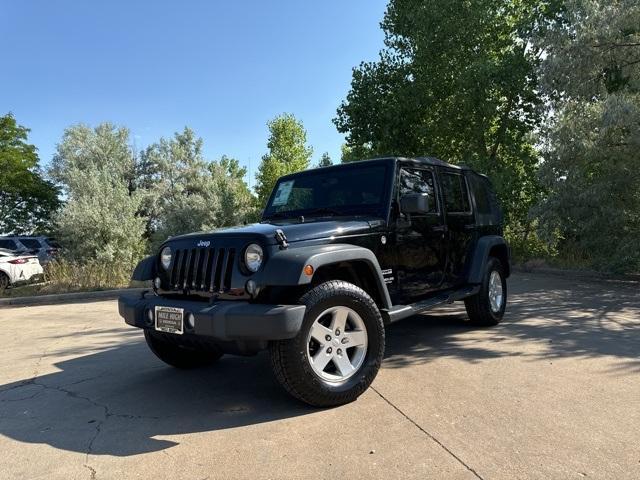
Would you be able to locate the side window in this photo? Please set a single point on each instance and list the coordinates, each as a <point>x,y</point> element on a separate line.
<point>456,197</point>
<point>481,194</point>
<point>8,244</point>
<point>416,180</point>
<point>30,242</point>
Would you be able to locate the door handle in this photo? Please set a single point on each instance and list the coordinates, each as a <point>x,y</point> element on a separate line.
<point>440,228</point>
<point>470,226</point>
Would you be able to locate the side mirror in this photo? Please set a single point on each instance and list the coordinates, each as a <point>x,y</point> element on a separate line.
<point>414,203</point>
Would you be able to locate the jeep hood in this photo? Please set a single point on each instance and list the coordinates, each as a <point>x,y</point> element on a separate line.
<point>311,229</point>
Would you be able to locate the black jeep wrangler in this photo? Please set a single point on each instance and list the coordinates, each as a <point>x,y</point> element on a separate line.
<point>340,253</point>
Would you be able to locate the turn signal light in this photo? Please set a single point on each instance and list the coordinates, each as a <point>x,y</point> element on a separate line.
<point>308,270</point>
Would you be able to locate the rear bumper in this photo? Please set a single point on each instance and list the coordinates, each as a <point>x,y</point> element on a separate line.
<point>221,321</point>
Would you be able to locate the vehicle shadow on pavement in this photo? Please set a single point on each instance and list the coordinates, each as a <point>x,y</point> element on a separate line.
<point>118,399</point>
<point>562,318</point>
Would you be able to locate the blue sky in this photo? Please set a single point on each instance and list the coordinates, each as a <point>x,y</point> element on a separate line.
<point>224,68</point>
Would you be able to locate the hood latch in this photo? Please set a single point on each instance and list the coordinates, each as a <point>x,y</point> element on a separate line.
<point>281,238</point>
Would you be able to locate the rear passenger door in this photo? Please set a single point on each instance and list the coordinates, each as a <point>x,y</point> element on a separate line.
<point>460,223</point>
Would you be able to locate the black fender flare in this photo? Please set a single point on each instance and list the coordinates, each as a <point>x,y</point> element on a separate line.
<point>480,256</point>
<point>285,268</point>
<point>145,270</point>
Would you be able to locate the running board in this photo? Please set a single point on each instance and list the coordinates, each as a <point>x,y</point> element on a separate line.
<point>398,312</point>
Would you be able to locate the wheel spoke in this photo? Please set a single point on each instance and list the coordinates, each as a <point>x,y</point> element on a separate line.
<point>339,319</point>
<point>319,332</point>
<point>321,359</point>
<point>344,350</point>
<point>343,364</point>
<point>355,338</point>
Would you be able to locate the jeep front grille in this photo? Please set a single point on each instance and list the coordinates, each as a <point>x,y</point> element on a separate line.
<point>202,269</point>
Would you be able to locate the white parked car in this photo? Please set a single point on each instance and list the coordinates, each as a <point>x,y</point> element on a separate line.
<point>17,269</point>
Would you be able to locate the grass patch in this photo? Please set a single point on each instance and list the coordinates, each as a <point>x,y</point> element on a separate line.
<point>63,276</point>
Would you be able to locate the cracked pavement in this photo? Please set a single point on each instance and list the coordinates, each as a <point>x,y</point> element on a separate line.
<point>553,392</point>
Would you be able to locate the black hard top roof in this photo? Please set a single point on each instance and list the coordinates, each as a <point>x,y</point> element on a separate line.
<point>432,161</point>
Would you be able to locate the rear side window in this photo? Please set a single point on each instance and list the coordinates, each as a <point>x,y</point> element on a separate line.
<point>8,244</point>
<point>415,180</point>
<point>30,242</point>
<point>487,206</point>
<point>53,243</point>
<point>456,196</point>
<point>482,194</point>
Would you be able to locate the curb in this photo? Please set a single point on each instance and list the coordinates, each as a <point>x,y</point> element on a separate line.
<point>588,275</point>
<point>66,297</point>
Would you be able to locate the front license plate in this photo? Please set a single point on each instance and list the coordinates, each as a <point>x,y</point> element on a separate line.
<point>169,319</point>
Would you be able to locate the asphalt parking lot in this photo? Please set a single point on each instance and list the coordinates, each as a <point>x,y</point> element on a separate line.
<point>553,392</point>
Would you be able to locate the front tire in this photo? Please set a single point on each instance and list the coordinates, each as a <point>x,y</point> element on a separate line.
<point>487,307</point>
<point>178,355</point>
<point>339,349</point>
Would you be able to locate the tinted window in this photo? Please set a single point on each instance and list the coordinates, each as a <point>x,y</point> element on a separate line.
<point>414,180</point>
<point>482,194</point>
<point>53,243</point>
<point>454,188</point>
<point>335,189</point>
<point>8,244</point>
<point>30,242</point>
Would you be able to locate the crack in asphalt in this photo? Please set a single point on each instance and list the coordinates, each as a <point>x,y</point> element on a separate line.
<point>431,436</point>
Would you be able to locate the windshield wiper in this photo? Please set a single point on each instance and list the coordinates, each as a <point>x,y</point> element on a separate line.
<point>324,211</point>
<point>277,215</point>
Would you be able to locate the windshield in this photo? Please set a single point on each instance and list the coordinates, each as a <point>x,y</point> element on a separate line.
<point>334,191</point>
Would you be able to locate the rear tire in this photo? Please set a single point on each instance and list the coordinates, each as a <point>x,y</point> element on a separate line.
<point>4,281</point>
<point>179,356</point>
<point>487,307</point>
<point>339,349</point>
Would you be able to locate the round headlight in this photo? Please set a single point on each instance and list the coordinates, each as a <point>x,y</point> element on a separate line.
<point>253,256</point>
<point>165,257</point>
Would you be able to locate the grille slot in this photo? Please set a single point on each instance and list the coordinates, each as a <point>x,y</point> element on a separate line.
<point>202,269</point>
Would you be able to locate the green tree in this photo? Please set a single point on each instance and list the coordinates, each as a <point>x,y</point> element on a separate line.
<point>237,203</point>
<point>100,219</point>
<point>288,153</point>
<point>592,153</point>
<point>456,80</point>
<point>27,201</point>
<point>186,193</point>
<point>355,153</point>
<point>325,160</point>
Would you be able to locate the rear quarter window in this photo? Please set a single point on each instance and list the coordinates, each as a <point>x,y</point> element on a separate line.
<point>487,207</point>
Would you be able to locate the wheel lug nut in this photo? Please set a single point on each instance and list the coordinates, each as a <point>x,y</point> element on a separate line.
<point>328,338</point>
<point>329,350</point>
<point>337,332</point>
<point>339,351</point>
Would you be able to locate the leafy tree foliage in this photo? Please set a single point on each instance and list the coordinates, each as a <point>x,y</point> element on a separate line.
<point>26,199</point>
<point>185,193</point>
<point>288,153</point>
<point>456,80</point>
<point>592,154</point>
<point>100,219</point>
<point>325,160</point>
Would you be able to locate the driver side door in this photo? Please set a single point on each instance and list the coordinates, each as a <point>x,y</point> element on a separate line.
<point>420,238</point>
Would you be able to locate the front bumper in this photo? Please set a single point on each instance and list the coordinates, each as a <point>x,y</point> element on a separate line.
<point>221,321</point>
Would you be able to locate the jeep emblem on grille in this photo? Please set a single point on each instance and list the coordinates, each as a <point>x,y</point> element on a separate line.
<point>203,243</point>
